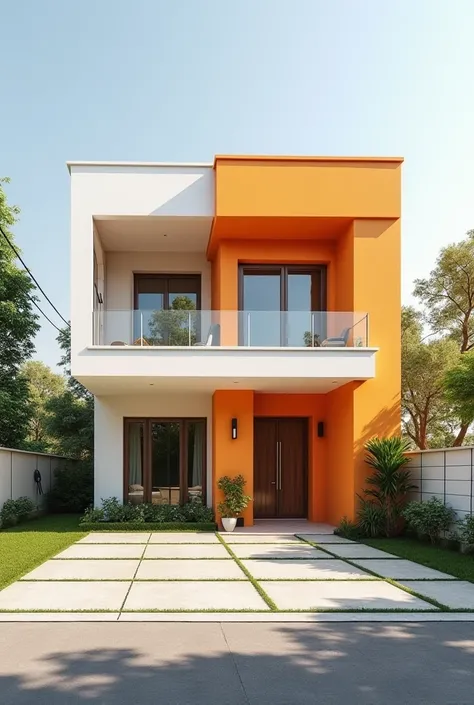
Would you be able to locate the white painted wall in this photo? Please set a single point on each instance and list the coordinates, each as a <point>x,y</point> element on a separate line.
<point>447,474</point>
<point>16,474</point>
<point>108,433</point>
<point>121,190</point>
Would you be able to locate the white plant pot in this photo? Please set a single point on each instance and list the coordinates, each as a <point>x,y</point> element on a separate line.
<point>229,524</point>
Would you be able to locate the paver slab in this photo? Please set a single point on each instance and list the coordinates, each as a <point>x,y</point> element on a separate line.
<point>457,595</point>
<point>193,596</point>
<point>95,550</point>
<point>323,538</point>
<point>296,551</point>
<point>84,570</point>
<point>116,537</point>
<point>390,568</point>
<point>190,570</point>
<point>281,569</point>
<point>353,594</point>
<point>260,538</point>
<point>357,550</point>
<point>183,537</point>
<point>196,550</point>
<point>90,595</point>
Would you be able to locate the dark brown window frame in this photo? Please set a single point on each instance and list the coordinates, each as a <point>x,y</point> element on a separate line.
<point>284,269</point>
<point>183,466</point>
<point>137,276</point>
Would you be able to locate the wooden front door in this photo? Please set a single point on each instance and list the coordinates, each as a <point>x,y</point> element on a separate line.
<point>280,468</point>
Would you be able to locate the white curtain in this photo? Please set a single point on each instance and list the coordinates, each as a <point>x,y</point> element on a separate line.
<point>136,461</point>
<point>198,454</point>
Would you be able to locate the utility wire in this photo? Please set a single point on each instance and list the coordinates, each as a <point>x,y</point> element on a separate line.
<point>41,311</point>
<point>35,281</point>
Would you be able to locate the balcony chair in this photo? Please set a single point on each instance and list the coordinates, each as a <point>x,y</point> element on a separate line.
<point>213,336</point>
<point>337,342</point>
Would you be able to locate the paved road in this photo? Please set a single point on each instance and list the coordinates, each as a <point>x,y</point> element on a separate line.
<point>236,664</point>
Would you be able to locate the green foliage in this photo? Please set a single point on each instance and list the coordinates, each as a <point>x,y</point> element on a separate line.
<point>70,417</point>
<point>235,499</point>
<point>113,511</point>
<point>149,526</point>
<point>18,326</point>
<point>15,510</point>
<point>348,529</point>
<point>43,385</point>
<point>459,382</point>
<point>466,530</point>
<point>371,519</point>
<point>176,326</point>
<point>389,483</point>
<point>73,489</point>
<point>429,518</point>
<point>428,418</point>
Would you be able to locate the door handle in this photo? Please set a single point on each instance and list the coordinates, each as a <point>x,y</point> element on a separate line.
<point>276,481</point>
<point>279,465</point>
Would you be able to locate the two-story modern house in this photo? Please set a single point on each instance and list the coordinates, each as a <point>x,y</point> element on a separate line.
<point>238,317</point>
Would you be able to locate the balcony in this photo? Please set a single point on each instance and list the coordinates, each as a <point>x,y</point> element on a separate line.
<point>189,350</point>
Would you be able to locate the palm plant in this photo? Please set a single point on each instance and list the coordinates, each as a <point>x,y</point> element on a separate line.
<point>390,483</point>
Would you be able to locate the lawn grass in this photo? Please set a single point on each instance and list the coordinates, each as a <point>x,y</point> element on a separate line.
<point>451,562</point>
<point>26,546</point>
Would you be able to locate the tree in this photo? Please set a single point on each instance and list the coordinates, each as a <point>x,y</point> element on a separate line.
<point>18,327</point>
<point>425,408</point>
<point>448,293</point>
<point>43,385</point>
<point>176,326</point>
<point>460,386</point>
<point>448,296</point>
<point>71,414</point>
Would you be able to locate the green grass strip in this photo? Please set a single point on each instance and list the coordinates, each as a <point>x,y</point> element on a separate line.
<point>254,582</point>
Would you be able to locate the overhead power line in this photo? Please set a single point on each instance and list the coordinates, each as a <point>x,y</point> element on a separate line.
<point>42,312</point>
<point>12,246</point>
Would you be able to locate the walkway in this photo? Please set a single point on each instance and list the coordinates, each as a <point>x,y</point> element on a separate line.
<point>244,576</point>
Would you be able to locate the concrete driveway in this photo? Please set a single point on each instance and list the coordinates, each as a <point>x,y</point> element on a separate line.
<point>252,576</point>
<point>237,664</point>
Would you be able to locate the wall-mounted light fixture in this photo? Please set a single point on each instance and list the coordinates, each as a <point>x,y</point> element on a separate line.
<point>320,429</point>
<point>234,429</point>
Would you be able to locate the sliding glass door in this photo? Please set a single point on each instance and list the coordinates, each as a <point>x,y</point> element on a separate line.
<point>163,308</point>
<point>278,302</point>
<point>165,460</point>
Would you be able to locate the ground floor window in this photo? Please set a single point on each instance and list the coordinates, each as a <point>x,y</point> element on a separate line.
<point>165,460</point>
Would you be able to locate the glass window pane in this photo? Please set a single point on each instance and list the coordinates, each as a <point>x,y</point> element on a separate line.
<point>196,446</point>
<point>165,462</point>
<point>260,321</point>
<point>135,462</point>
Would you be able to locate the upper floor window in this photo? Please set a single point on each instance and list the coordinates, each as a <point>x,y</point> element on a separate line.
<point>164,304</point>
<point>278,302</point>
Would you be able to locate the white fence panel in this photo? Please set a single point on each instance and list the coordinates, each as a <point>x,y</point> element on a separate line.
<point>17,469</point>
<point>448,474</point>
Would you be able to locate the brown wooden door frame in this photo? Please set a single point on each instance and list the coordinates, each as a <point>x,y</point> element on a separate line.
<point>270,472</point>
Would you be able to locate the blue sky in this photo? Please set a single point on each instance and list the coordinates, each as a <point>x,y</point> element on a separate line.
<point>182,80</point>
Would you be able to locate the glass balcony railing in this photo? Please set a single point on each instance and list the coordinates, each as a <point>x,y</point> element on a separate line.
<point>273,329</point>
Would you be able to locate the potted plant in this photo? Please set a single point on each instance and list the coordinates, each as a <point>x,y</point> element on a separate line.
<point>235,500</point>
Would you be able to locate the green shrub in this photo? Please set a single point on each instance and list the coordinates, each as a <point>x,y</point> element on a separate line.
<point>389,483</point>
<point>235,501</point>
<point>371,519</point>
<point>113,511</point>
<point>149,526</point>
<point>348,529</point>
<point>72,490</point>
<point>466,530</point>
<point>15,510</point>
<point>429,518</point>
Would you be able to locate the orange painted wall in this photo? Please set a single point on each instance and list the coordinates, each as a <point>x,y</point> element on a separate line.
<point>312,407</point>
<point>232,457</point>
<point>317,188</point>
